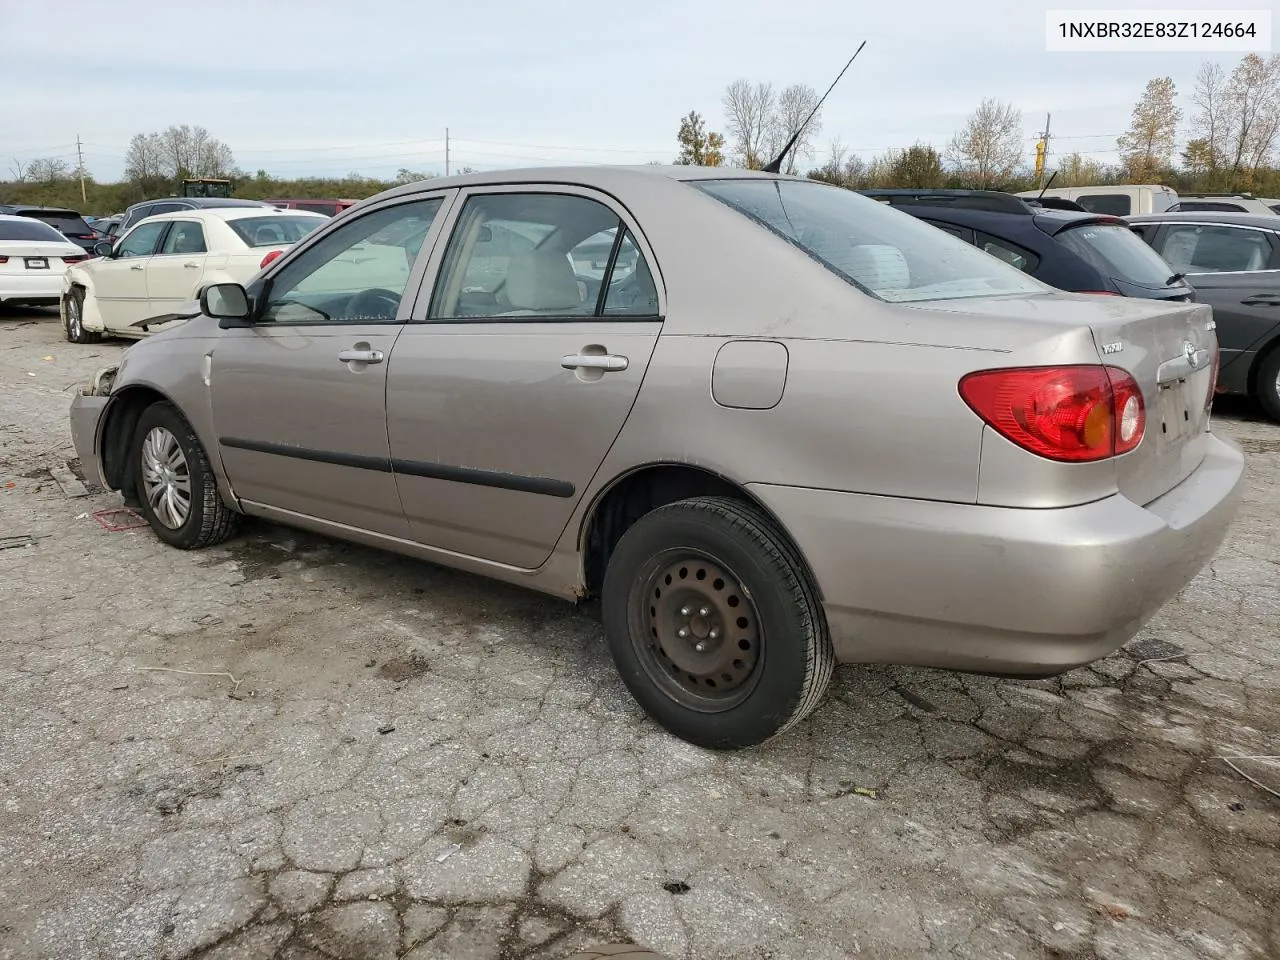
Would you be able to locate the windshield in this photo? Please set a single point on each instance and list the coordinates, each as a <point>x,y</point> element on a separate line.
<point>882,251</point>
<point>26,229</point>
<point>273,231</point>
<point>1115,250</point>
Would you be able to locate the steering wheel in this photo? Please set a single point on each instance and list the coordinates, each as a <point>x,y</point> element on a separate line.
<point>376,303</point>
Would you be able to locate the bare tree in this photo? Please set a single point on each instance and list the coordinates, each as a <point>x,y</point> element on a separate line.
<point>192,152</point>
<point>749,116</point>
<point>47,170</point>
<point>19,170</point>
<point>1210,121</point>
<point>988,150</point>
<point>792,106</point>
<point>1147,148</point>
<point>1251,100</point>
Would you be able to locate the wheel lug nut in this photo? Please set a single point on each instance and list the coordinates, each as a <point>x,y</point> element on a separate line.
<point>700,646</point>
<point>714,634</point>
<point>704,612</point>
<point>682,632</point>
<point>685,611</point>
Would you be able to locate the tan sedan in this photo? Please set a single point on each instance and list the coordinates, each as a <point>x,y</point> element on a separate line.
<point>775,426</point>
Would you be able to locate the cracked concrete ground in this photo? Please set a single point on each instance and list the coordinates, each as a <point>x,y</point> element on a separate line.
<point>352,755</point>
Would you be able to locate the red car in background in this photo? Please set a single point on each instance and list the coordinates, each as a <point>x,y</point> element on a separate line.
<point>330,208</point>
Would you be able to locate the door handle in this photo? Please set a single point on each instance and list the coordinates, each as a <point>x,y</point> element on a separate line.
<point>594,361</point>
<point>191,265</point>
<point>360,356</point>
<point>136,266</point>
<point>1262,300</point>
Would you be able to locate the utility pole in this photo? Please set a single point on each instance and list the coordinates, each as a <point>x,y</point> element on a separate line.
<point>84,197</point>
<point>446,151</point>
<point>1042,151</point>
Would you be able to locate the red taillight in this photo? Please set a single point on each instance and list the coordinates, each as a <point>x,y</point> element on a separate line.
<point>79,259</point>
<point>4,259</point>
<point>269,257</point>
<point>1074,414</point>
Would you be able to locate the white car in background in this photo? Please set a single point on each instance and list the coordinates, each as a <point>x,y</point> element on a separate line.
<point>164,261</point>
<point>34,258</point>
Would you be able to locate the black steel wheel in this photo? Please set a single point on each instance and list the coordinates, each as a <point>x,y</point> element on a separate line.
<point>714,623</point>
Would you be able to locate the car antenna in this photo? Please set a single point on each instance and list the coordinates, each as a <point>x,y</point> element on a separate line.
<point>1046,186</point>
<point>775,165</point>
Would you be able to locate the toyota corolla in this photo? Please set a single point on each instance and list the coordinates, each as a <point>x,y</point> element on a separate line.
<point>775,427</point>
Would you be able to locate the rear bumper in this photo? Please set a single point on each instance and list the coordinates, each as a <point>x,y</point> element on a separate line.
<point>42,285</point>
<point>1003,590</point>
<point>86,418</point>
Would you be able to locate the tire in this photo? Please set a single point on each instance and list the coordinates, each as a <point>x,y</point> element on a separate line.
<point>163,437</point>
<point>73,322</point>
<point>1267,386</point>
<point>713,567</point>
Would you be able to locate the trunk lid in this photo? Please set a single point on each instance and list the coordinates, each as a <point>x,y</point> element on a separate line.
<point>1170,350</point>
<point>52,251</point>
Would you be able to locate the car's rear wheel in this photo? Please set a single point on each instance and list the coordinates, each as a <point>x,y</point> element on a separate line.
<point>175,485</point>
<point>73,325</point>
<point>1267,385</point>
<point>714,624</point>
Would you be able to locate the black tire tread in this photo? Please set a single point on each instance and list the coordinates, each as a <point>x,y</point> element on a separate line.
<point>86,336</point>
<point>218,522</point>
<point>1266,387</point>
<point>748,520</point>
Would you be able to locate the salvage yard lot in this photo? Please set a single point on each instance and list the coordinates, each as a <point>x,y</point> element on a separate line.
<point>290,747</point>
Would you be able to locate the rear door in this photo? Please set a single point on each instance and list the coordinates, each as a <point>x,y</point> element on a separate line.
<point>508,388</point>
<point>174,273</point>
<point>1233,269</point>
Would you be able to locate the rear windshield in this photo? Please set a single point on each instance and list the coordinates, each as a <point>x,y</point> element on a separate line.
<point>880,250</point>
<point>1114,204</point>
<point>273,231</point>
<point>28,230</point>
<point>68,223</point>
<point>1118,252</point>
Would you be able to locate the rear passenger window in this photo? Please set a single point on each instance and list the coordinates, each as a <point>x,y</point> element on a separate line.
<point>1010,253</point>
<point>1116,204</point>
<point>1195,249</point>
<point>948,228</point>
<point>186,236</point>
<point>541,255</point>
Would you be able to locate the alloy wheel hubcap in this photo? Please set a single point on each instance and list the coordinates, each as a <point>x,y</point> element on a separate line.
<point>166,478</point>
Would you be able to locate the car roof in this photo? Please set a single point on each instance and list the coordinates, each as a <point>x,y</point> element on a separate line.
<point>1270,222</point>
<point>232,213</point>
<point>204,202</point>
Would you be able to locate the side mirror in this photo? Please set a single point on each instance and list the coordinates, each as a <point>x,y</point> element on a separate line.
<point>102,248</point>
<point>228,303</point>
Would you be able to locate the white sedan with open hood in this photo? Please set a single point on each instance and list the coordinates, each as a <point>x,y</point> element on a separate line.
<point>33,260</point>
<point>164,261</point>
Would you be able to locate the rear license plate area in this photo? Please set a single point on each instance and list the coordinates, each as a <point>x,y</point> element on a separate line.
<point>1175,416</point>
<point>36,263</point>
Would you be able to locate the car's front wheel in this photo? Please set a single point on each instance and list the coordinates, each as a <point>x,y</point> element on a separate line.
<point>714,623</point>
<point>175,484</point>
<point>73,325</point>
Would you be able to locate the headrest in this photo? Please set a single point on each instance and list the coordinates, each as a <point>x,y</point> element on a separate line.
<point>542,280</point>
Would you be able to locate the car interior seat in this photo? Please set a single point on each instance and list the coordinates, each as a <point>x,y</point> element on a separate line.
<point>542,281</point>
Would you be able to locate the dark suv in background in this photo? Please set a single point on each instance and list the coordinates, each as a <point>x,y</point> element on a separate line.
<point>1069,249</point>
<point>150,208</point>
<point>67,222</point>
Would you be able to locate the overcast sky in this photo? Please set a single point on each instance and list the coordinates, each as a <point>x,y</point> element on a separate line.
<point>315,87</point>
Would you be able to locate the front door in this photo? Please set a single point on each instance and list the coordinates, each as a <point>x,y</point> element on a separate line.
<point>174,273</point>
<point>503,402</point>
<point>299,397</point>
<point>120,280</point>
